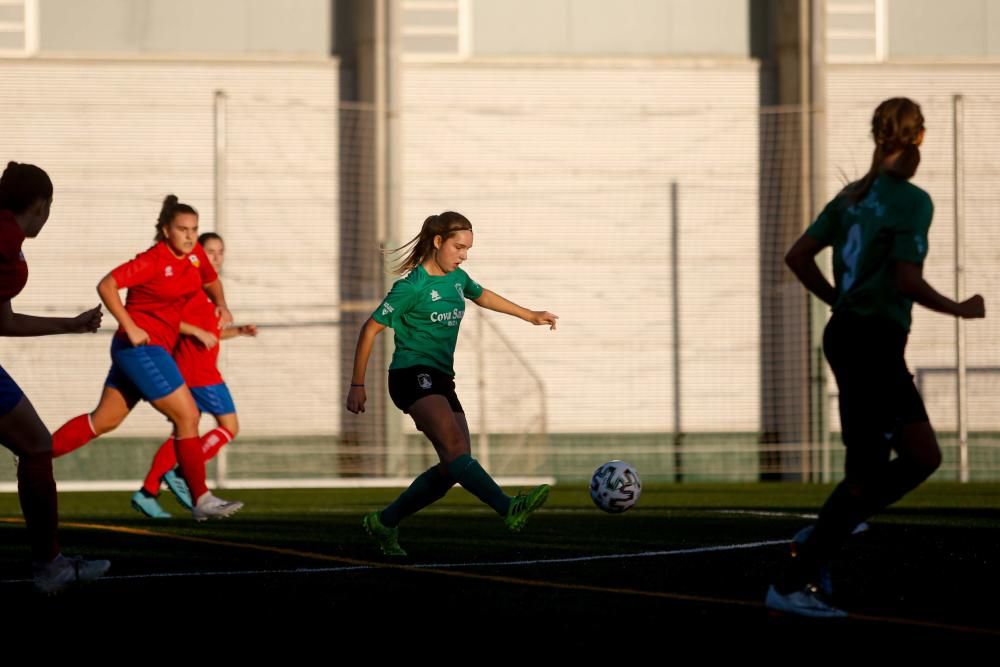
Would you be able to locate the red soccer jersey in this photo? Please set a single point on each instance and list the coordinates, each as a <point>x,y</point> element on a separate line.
<point>198,364</point>
<point>159,284</point>
<point>13,268</point>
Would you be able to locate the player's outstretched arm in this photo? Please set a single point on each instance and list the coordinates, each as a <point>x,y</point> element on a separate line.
<point>493,301</point>
<point>17,324</point>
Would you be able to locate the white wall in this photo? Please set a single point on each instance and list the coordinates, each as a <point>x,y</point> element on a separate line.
<point>118,136</point>
<point>565,172</point>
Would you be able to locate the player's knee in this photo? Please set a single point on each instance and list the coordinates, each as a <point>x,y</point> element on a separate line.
<point>38,445</point>
<point>104,423</point>
<point>452,448</point>
<point>457,445</point>
<point>34,471</point>
<point>186,422</point>
<point>922,455</point>
<point>929,461</point>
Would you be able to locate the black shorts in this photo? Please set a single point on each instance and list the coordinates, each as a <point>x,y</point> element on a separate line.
<point>408,385</point>
<point>877,394</point>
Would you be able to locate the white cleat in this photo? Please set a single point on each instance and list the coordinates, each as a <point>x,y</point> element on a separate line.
<point>58,575</point>
<point>808,601</point>
<point>210,507</point>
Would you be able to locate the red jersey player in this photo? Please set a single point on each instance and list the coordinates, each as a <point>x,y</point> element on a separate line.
<point>159,281</point>
<point>197,355</point>
<point>25,201</point>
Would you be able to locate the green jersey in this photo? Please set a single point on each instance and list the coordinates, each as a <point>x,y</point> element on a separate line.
<point>890,224</point>
<point>425,312</point>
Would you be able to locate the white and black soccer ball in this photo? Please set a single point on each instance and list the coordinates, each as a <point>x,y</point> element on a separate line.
<point>615,487</point>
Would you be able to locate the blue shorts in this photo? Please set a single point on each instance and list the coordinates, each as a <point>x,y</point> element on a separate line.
<point>214,399</point>
<point>146,372</point>
<point>10,393</point>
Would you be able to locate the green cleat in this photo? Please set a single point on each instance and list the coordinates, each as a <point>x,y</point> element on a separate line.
<point>523,505</point>
<point>387,538</point>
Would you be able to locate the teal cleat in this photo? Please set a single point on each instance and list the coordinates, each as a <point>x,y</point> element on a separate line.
<point>179,488</point>
<point>148,506</point>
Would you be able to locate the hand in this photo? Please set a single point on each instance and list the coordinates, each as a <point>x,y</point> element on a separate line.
<point>544,317</point>
<point>972,308</point>
<point>86,322</point>
<point>138,337</point>
<point>205,338</point>
<point>356,398</point>
<point>225,317</point>
<point>247,330</point>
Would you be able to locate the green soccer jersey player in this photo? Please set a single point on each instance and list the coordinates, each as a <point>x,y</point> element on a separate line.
<point>425,309</point>
<point>877,227</point>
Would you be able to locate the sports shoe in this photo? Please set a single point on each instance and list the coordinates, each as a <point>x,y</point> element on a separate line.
<point>149,506</point>
<point>54,577</point>
<point>179,488</point>
<point>808,601</point>
<point>387,538</point>
<point>210,507</point>
<point>523,505</point>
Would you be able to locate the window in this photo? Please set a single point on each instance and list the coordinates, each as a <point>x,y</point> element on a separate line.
<point>18,27</point>
<point>857,31</point>
<point>436,29</point>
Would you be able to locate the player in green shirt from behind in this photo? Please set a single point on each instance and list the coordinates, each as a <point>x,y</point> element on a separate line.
<point>877,227</point>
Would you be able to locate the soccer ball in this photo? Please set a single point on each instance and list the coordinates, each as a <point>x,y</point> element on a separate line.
<point>615,487</point>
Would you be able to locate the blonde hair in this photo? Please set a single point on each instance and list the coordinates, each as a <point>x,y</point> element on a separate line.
<point>897,125</point>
